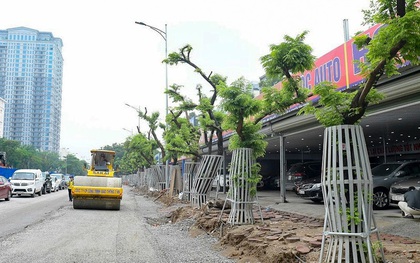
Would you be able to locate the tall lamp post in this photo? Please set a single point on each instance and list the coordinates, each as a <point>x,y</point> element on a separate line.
<point>127,130</point>
<point>164,35</point>
<point>138,111</point>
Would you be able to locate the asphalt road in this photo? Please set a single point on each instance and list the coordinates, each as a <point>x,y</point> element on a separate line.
<point>23,211</point>
<point>48,229</point>
<point>387,221</point>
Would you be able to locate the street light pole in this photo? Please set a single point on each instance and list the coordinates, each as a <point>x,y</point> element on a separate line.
<point>166,68</point>
<point>164,35</point>
<point>66,157</point>
<point>127,130</point>
<point>138,113</point>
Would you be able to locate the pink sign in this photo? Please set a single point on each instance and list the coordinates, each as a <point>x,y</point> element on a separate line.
<point>337,66</point>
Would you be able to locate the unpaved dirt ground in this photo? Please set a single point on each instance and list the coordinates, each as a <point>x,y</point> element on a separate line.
<point>281,237</point>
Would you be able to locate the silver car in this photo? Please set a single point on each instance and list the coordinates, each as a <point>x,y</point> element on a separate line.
<point>398,189</point>
<point>384,175</point>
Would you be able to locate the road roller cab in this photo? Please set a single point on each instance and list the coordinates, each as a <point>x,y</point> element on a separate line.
<point>99,189</point>
<point>102,163</point>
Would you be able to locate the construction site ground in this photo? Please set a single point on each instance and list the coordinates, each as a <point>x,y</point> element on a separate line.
<point>289,232</point>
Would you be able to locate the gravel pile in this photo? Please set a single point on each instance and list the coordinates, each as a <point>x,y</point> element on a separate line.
<point>173,239</point>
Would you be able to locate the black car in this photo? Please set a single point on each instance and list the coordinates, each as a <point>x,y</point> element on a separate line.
<point>303,173</point>
<point>269,182</point>
<point>312,191</point>
<point>47,183</point>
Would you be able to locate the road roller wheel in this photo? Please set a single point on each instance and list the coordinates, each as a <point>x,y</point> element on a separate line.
<point>101,204</point>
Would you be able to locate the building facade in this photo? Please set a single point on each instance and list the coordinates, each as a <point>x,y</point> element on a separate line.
<point>2,103</point>
<point>31,70</point>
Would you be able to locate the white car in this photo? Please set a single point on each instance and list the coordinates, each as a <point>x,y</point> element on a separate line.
<point>398,189</point>
<point>27,182</point>
<point>54,184</point>
<point>219,181</point>
<point>58,181</point>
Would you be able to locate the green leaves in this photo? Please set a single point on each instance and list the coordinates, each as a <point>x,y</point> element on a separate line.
<point>334,106</point>
<point>289,57</point>
<point>241,107</point>
<point>238,100</point>
<point>181,137</point>
<point>139,152</point>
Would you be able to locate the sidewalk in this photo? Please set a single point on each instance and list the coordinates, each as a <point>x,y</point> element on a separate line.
<point>388,221</point>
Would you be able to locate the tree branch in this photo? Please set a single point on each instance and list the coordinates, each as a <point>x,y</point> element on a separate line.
<point>359,100</point>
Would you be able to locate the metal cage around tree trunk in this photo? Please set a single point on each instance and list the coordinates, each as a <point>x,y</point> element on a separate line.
<point>207,171</point>
<point>239,194</point>
<point>347,190</point>
<point>190,169</point>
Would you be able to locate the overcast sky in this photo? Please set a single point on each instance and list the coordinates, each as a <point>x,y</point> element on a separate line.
<point>110,61</point>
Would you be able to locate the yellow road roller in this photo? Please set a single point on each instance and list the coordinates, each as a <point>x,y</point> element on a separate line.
<point>99,189</point>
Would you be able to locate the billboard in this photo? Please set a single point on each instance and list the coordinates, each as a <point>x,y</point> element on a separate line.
<point>338,66</point>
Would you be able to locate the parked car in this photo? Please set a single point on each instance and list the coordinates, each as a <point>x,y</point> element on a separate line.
<point>270,182</point>
<point>55,184</point>
<point>47,183</point>
<point>219,181</point>
<point>5,188</point>
<point>313,191</point>
<point>59,181</point>
<point>398,189</point>
<point>303,173</point>
<point>63,184</point>
<point>384,175</point>
<point>27,182</point>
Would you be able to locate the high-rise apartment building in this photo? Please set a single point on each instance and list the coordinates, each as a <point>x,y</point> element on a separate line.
<point>31,70</point>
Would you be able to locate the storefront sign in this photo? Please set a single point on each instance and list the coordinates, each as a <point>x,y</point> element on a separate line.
<point>403,148</point>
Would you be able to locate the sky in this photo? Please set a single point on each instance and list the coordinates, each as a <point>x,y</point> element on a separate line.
<point>109,61</point>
